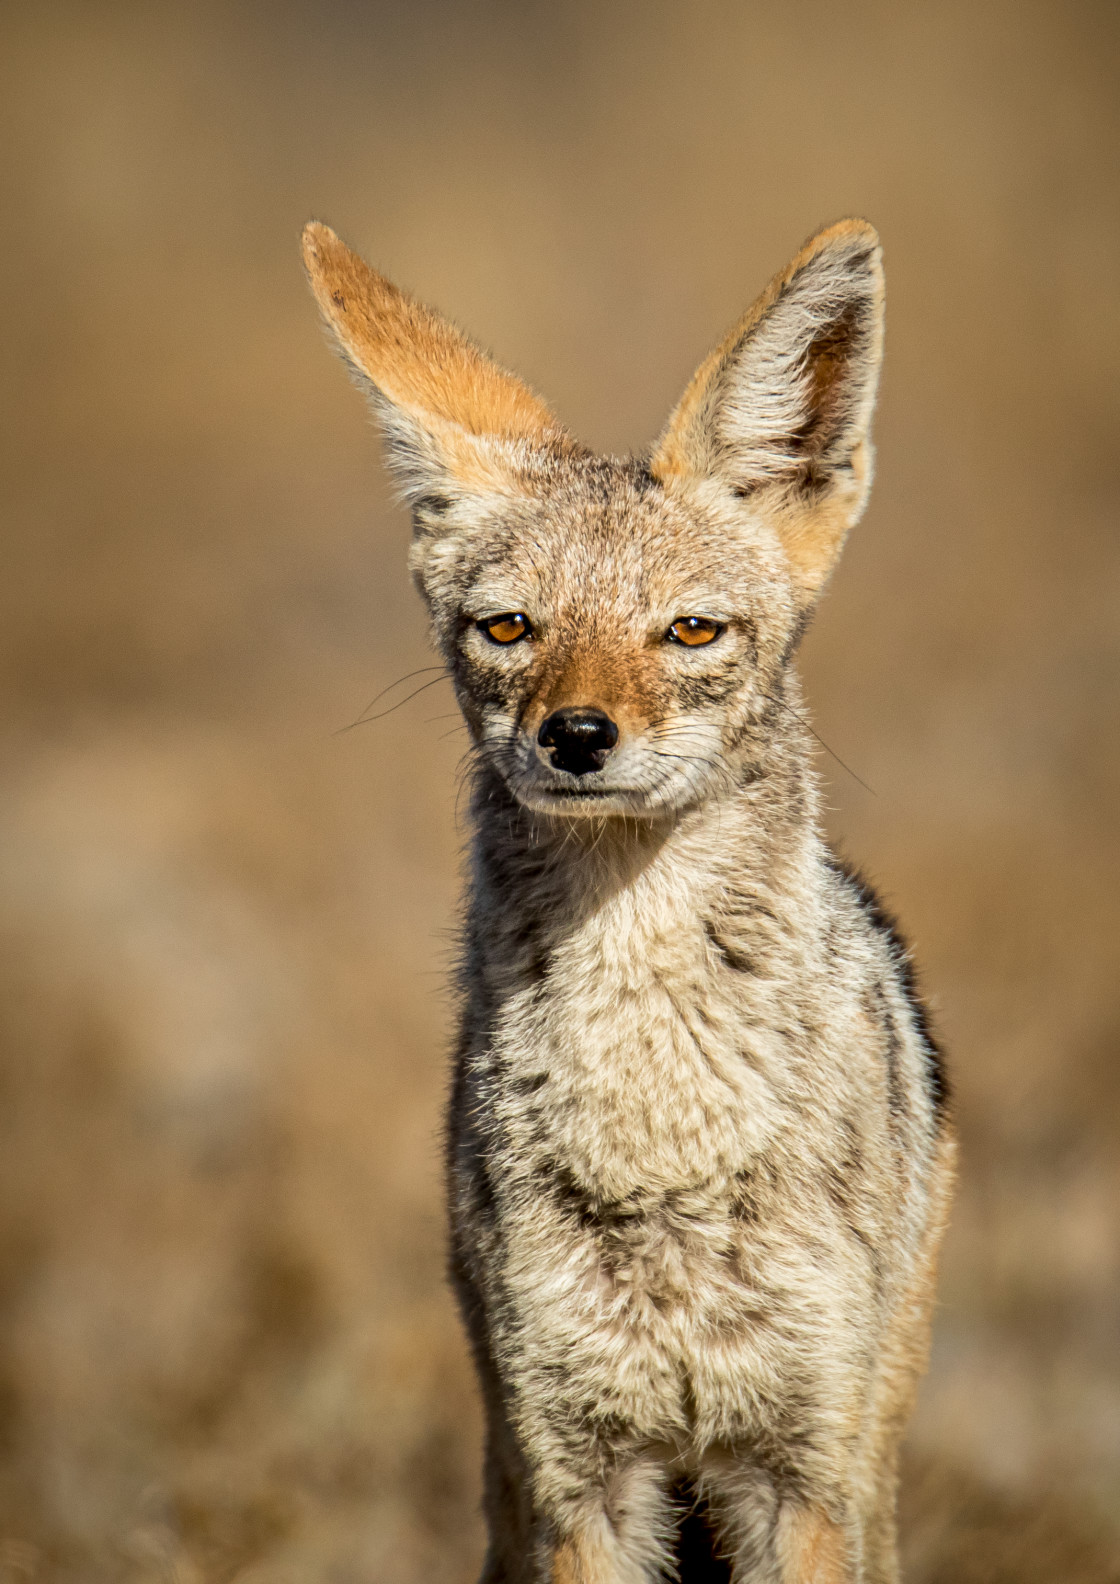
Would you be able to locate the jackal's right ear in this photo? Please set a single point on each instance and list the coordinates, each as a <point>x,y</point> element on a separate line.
<point>454,422</point>
<point>780,413</point>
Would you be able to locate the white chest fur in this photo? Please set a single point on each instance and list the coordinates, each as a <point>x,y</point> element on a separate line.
<point>656,1068</point>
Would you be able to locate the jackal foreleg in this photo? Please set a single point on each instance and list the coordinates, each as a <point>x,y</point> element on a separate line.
<point>812,1549</point>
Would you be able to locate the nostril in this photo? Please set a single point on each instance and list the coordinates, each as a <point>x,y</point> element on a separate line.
<point>578,740</point>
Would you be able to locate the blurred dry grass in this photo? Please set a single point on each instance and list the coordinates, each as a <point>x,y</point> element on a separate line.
<point>225,1347</point>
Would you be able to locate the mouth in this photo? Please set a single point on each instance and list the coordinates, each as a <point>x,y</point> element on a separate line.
<point>629,788</point>
<point>586,792</point>
<point>589,799</point>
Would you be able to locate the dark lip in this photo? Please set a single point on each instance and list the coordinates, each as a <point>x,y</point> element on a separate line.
<point>585,792</point>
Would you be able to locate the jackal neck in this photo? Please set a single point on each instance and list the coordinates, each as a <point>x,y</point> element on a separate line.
<point>631,986</point>
<point>752,850</point>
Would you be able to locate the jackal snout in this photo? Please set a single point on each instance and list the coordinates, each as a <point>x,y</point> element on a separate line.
<point>577,740</point>
<point>613,719</point>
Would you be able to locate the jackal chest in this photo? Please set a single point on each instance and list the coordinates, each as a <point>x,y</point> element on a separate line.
<point>642,1105</point>
<point>719,1314</point>
<point>635,1065</point>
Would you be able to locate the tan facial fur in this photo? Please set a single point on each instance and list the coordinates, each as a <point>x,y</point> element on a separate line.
<point>698,704</point>
<point>699,1154</point>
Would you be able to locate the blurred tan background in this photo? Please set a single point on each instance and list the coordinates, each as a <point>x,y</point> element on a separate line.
<point>226,1349</point>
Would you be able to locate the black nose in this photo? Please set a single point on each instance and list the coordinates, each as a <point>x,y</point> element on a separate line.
<point>578,740</point>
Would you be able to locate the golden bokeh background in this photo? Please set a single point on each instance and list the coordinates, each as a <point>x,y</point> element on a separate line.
<point>226,1347</point>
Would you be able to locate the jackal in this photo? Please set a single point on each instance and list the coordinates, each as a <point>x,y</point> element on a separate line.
<point>699,1154</point>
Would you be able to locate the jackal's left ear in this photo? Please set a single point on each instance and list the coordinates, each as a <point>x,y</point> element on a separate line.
<point>780,412</point>
<point>453,420</point>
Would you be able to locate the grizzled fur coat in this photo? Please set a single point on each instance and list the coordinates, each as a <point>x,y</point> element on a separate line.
<point>699,1152</point>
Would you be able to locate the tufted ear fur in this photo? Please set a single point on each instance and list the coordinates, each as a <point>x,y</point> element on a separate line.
<point>454,421</point>
<point>780,412</point>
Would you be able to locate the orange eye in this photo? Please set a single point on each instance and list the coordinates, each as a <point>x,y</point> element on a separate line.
<point>694,630</point>
<point>506,629</point>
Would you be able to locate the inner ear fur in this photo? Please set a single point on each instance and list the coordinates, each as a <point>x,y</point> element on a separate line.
<point>780,412</point>
<point>450,413</point>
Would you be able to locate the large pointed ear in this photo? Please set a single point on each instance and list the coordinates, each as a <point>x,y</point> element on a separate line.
<point>453,420</point>
<point>780,412</point>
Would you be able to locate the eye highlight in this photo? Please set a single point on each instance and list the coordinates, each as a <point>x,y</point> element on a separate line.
<point>692,631</point>
<point>505,629</point>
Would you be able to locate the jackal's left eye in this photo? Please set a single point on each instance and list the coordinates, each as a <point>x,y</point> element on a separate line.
<point>505,629</point>
<point>694,630</point>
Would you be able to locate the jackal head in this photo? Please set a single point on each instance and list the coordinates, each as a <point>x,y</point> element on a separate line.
<point>618,630</point>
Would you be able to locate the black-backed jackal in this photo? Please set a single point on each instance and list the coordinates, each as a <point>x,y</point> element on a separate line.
<point>699,1157</point>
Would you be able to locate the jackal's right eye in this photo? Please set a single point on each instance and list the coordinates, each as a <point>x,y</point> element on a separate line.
<point>505,629</point>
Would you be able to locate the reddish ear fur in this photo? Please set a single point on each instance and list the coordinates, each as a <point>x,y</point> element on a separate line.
<point>780,411</point>
<point>413,356</point>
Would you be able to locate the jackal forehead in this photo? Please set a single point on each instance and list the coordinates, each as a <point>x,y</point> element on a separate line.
<point>615,562</point>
